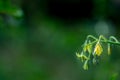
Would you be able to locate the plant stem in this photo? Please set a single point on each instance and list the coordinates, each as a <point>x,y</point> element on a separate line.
<point>111,42</point>
<point>90,36</point>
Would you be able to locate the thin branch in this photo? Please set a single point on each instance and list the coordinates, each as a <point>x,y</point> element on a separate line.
<point>111,42</point>
<point>90,36</point>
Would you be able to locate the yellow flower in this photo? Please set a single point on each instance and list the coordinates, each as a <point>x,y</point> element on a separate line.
<point>85,46</point>
<point>98,49</point>
<point>109,51</point>
<point>88,48</point>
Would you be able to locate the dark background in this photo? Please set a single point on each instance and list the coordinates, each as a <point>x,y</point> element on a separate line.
<point>39,38</point>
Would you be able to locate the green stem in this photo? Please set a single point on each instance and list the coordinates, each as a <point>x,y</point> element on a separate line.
<point>113,38</point>
<point>111,42</point>
<point>90,36</point>
<point>104,40</point>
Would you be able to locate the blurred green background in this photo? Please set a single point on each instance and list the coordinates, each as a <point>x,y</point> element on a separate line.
<point>39,38</point>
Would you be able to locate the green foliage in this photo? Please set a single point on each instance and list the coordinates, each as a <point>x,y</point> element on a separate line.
<point>37,46</point>
<point>6,7</point>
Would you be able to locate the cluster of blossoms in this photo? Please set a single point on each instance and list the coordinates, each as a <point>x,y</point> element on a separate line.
<point>92,49</point>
